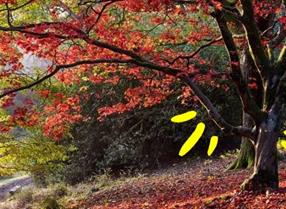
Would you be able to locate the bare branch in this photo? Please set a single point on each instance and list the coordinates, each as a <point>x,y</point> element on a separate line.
<point>9,15</point>
<point>188,57</point>
<point>58,68</point>
<point>19,7</point>
<point>104,8</point>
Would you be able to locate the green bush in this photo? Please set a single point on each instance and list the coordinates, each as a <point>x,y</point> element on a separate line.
<point>142,138</point>
<point>137,140</point>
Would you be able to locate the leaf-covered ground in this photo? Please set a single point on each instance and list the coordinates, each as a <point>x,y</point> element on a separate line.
<point>201,184</point>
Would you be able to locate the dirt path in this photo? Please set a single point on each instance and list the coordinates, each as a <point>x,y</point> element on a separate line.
<point>19,181</point>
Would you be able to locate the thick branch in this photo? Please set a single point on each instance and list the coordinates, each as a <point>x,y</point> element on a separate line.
<point>247,100</point>
<point>254,39</point>
<point>214,114</point>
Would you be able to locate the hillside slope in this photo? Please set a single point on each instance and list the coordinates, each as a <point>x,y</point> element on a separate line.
<point>201,184</point>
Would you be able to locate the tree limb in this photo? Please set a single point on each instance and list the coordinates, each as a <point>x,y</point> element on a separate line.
<point>214,114</point>
<point>254,39</point>
<point>18,7</point>
<point>58,68</point>
<point>247,100</point>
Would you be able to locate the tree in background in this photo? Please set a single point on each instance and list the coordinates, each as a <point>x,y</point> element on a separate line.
<point>104,41</point>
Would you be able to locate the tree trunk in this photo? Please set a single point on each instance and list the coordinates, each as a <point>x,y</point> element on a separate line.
<point>245,158</point>
<point>265,173</point>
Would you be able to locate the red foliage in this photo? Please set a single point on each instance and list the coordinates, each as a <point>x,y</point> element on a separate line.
<point>24,117</point>
<point>60,114</point>
<point>145,32</point>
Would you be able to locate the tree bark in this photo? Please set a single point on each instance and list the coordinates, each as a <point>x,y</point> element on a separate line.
<point>245,158</point>
<point>265,174</point>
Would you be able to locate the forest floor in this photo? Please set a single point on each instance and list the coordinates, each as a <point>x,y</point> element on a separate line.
<point>200,184</point>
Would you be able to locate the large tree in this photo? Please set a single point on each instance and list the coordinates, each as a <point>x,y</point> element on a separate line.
<point>156,43</point>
